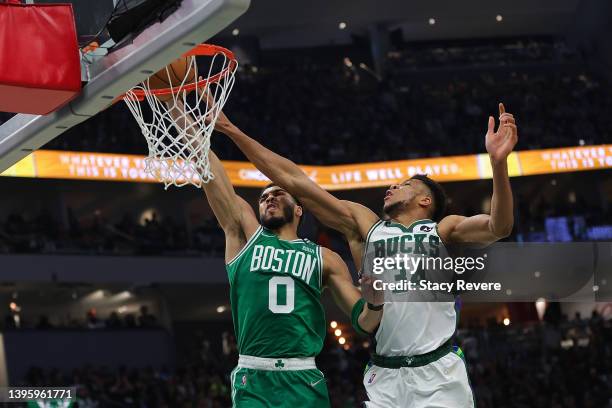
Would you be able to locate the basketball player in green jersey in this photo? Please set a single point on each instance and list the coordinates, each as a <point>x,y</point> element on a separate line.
<point>415,364</point>
<point>276,280</point>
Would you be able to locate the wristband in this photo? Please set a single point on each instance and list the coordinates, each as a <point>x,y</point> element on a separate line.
<point>376,308</point>
<point>357,309</point>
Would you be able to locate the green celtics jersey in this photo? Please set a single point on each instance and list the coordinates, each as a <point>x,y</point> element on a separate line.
<point>275,289</point>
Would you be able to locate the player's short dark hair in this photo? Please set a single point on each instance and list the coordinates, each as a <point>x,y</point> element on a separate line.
<point>439,196</point>
<point>297,202</point>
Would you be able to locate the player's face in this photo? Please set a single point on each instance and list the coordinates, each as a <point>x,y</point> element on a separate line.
<point>276,208</point>
<point>402,196</point>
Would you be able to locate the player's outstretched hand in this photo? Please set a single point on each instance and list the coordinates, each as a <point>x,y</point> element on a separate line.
<point>222,123</point>
<point>500,143</point>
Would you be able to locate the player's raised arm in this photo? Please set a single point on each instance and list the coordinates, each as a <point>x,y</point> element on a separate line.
<point>346,295</point>
<point>349,218</point>
<point>234,214</point>
<point>483,228</point>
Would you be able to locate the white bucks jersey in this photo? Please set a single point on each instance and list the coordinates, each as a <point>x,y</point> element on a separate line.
<point>411,326</point>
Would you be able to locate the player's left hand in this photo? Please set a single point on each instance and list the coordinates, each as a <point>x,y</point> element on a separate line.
<point>500,143</point>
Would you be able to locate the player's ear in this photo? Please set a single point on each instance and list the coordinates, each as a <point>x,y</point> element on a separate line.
<point>299,211</point>
<point>425,201</point>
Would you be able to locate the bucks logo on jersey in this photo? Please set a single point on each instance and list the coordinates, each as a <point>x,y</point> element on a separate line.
<point>275,289</point>
<point>420,238</point>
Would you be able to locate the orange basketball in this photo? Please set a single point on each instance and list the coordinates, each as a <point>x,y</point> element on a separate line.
<point>172,76</point>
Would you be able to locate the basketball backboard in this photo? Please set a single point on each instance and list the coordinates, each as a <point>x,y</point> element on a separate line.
<point>108,75</point>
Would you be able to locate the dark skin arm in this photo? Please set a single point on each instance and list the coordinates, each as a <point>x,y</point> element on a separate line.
<point>351,219</point>
<point>338,279</point>
<point>233,213</point>
<point>484,229</point>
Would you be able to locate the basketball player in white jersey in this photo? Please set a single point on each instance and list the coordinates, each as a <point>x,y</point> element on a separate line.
<point>415,364</point>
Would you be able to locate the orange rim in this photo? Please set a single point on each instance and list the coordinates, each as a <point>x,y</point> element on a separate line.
<point>205,50</point>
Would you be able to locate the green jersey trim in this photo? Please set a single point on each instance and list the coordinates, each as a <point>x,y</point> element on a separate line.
<point>246,246</point>
<point>411,226</point>
<point>320,255</point>
<point>371,230</point>
<point>266,233</point>
<point>365,245</point>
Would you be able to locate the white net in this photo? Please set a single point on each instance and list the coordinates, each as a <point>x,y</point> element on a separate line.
<point>178,129</point>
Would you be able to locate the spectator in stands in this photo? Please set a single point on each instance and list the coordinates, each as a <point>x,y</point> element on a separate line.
<point>146,319</point>
<point>113,321</point>
<point>92,320</point>
<point>43,323</point>
<point>414,106</point>
<point>511,367</point>
<point>130,321</point>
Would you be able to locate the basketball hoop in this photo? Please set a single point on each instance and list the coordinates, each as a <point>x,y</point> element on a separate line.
<point>178,146</point>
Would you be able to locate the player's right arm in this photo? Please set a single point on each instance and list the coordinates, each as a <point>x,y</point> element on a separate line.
<point>348,297</point>
<point>351,219</point>
<point>233,213</point>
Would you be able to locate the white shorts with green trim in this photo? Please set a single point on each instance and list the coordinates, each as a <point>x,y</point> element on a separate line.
<point>441,384</point>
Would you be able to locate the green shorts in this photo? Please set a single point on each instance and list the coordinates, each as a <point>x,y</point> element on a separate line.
<point>280,386</point>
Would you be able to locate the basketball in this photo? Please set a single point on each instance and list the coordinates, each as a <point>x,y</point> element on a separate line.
<point>172,76</point>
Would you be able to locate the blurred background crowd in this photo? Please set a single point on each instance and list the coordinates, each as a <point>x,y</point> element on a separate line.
<point>557,363</point>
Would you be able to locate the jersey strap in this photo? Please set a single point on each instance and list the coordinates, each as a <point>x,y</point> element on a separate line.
<point>246,246</point>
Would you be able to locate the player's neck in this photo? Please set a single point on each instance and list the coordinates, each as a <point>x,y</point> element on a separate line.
<point>287,232</point>
<point>406,218</point>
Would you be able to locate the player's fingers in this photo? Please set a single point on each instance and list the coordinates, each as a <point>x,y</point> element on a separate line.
<point>502,109</point>
<point>506,118</point>
<point>513,133</point>
<point>512,127</point>
<point>491,124</point>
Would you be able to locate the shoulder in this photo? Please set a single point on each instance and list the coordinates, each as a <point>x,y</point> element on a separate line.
<point>364,217</point>
<point>328,254</point>
<point>331,260</point>
<point>334,268</point>
<point>232,255</point>
<point>447,225</point>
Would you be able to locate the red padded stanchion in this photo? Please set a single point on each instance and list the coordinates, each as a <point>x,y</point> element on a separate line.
<point>40,67</point>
